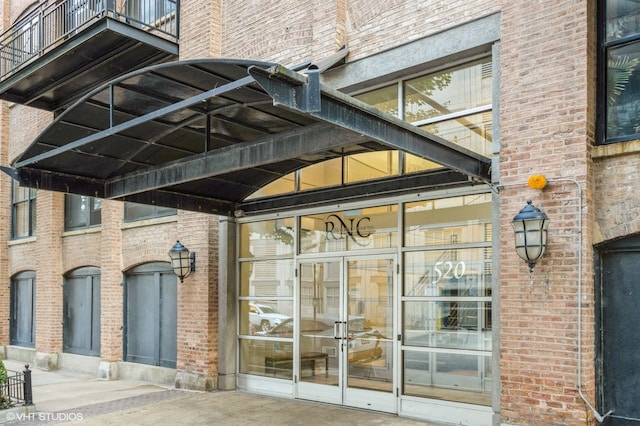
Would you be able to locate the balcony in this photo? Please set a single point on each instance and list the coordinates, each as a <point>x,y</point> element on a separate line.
<point>55,54</point>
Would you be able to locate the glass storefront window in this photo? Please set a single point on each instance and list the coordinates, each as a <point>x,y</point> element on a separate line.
<point>282,185</point>
<point>267,278</point>
<point>360,229</point>
<point>452,90</point>
<point>415,164</point>
<point>446,299</point>
<point>371,165</point>
<point>454,104</point>
<point>472,132</point>
<point>273,358</point>
<point>453,272</point>
<point>321,175</point>
<point>385,99</point>
<point>449,323</point>
<point>265,317</point>
<point>448,376</point>
<point>267,238</point>
<point>455,220</point>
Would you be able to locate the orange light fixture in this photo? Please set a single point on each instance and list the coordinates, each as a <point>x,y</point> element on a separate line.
<point>537,181</point>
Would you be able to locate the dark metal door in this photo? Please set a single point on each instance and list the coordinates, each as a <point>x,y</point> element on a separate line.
<point>22,320</point>
<point>620,332</point>
<point>81,334</point>
<point>151,315</point>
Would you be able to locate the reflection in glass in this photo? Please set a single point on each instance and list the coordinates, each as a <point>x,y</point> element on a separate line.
<point>371,165</point>
<point>282,185</point>
<point>447,376</point>
<point>272,358</point>
<point>446,221</point>
<point>453,90</point>
<point>453,324</point>
<point>623,18</point>
<point>370,325</point>
<point>446,305</point>
<point>24,211</point>
<point>623,88</point>
<point>321,175</point>
<point>361,229</point>
<point>448,273</point>
<point>472,132</point>
<point>266,317</point>
<point>267,238</point>
<point>415,164</point>
<point>385,99</point>
<point>319,311</point>
<point>267,278</point>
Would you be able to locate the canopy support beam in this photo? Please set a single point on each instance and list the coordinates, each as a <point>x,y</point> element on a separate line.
<point>294,91</point>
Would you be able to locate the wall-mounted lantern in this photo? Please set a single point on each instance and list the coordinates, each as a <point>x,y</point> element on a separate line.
<point>530,226</point>
<point>183,262</point>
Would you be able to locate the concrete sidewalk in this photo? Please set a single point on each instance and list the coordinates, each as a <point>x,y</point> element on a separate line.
<point>62,397</point>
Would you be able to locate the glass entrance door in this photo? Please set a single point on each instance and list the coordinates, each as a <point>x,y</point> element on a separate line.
<point>345,326</point>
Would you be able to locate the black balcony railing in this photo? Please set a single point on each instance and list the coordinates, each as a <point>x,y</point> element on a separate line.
<point>55,21</point>
<point>17,387</point>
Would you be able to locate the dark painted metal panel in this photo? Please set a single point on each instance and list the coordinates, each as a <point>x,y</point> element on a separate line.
<point>620,332</point>
<point>168,320</point>
<point>103,51</point>
<point>362,191</point>
<point>81,314</point>
<point>271,149</point>
<point>289,89</point>
<point>22,320</point>
<point>203,135</point>
<point>151,316</point>
<point>141,319</point>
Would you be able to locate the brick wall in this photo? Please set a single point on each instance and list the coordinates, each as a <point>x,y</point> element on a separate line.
<point>616,183</point>
<point>50,213</point>
<point>31,123</point>
<point>546,120</point>
<point>111,267</point>
<point>198,296</point>
<point>200,27</point>
<point>5,194</point>
<point>17,7</point>
<point>287,32</point>
<point>290,32</point>
<point>546,128</point>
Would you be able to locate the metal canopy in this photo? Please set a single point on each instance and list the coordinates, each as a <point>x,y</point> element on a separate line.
<point>203,135</point>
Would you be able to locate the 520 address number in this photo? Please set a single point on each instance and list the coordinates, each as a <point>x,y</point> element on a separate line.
<point>448,270</point>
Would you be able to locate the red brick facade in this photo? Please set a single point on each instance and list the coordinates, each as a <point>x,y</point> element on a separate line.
<point>546,121</point>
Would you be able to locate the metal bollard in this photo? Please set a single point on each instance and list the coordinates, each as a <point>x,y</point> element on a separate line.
<point>28,395</point>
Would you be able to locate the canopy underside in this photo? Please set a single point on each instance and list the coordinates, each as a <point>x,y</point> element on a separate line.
<point>203,135</point>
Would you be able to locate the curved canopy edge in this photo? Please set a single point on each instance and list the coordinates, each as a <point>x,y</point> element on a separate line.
<point>204,134</point>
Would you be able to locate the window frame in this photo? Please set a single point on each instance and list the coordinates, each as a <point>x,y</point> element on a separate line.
<point>604,47</point>
<point>152,212</point>
<point>30,200</point>
<point>395,105</point>
<point>89,220</point>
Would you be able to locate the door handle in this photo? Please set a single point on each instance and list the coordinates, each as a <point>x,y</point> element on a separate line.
<point>336,334</point>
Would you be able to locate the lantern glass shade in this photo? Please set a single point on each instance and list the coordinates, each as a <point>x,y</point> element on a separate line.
<point>182,261</point>
<point>530,226</point>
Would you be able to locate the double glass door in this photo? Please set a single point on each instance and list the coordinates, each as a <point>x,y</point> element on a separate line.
<point>345,328</point>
